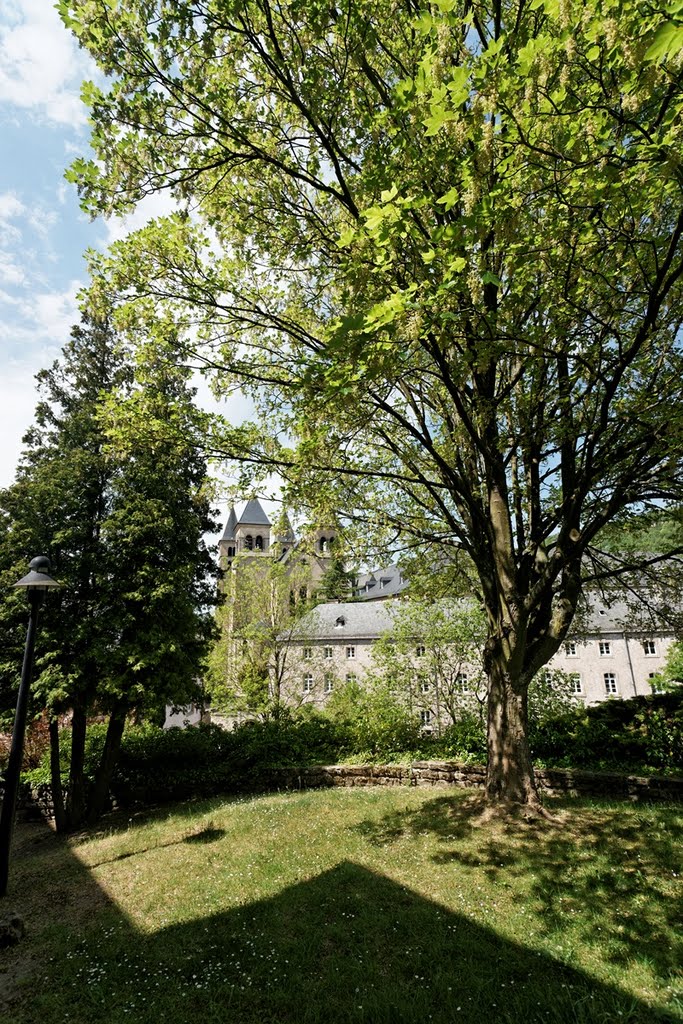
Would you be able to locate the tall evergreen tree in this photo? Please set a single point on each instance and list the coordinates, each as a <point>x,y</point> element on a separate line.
<point>111,487</point>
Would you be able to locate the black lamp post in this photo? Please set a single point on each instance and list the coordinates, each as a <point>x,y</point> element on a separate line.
<point>36,584</point>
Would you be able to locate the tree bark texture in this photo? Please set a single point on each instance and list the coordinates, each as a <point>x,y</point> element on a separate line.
<point>105,769</point>
<point>76,796</point>
<point>56,778</point>
<point>509,774</point>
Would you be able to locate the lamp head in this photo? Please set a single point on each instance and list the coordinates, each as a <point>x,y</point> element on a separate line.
<point>38,578</point>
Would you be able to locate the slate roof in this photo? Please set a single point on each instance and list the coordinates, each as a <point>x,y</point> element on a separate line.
<point>618,616</point>
<point>380,583</point>
<point>342,620</point>
<point>229,532</point>
<point>288,537</point>
<point>253,514</point>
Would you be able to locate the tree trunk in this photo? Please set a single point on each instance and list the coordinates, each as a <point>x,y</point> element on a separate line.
<point>105,769</point>
<point>76,795</point>
<point>509,773</point>
<point>56,778</point>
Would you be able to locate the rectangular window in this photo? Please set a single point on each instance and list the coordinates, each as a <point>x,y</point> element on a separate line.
<point>424,685</point>
<point>462,684</point>
<point>610,682</point>
<point>308,653</point>
<point>350,652</point>
<point>420,651</point>
<point>425,717</point>
<point>570,649</point>
<point>329,682</point>
<point>308,683</point>
<point>328,653</point>
<point>605,648</point>
<point>575,683</point>
<point>649,647</point>
<point>350,677</point>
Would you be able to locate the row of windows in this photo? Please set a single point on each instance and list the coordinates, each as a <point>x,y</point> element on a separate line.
<point>605,648</point>
<point>461,684</point>
<point>328,652</point>
<point>328,682</point>
<point>609,680</point>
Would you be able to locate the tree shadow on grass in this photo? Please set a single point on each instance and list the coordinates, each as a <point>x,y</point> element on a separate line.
<point>607,871</point>
<point>349,946</point>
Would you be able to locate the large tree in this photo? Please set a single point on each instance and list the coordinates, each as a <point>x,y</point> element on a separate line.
<point>441,244</point>
<point>112,486</point>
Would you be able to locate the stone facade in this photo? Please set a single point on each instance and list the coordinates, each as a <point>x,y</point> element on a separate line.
<point>606,661</point>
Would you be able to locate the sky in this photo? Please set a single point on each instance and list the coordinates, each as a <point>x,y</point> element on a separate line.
<point>43,233</point>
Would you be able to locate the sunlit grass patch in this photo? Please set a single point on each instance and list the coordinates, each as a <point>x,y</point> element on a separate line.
<point>353,905</point>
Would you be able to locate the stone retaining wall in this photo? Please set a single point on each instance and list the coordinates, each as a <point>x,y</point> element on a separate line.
<point>555,782</point>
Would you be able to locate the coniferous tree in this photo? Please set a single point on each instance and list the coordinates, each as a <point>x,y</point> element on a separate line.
<point>112,488</point>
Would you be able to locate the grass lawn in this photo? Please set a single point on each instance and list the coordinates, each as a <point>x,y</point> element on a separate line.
<point>373,905</point>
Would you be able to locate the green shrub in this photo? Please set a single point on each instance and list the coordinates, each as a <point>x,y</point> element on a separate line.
<point>464,739</point>
<point>374,719</point>
<point>637,734</point>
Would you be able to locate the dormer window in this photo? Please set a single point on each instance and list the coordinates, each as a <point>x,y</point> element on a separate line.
<point>323,545</point>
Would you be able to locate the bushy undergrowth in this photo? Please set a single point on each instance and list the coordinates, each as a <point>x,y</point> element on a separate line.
<point>175,763</point>
<point>644,734</point>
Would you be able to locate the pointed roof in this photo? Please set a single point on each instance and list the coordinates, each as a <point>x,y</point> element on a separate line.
<point>253,515</point>
<point>286,533</point>
<point>229,532</point>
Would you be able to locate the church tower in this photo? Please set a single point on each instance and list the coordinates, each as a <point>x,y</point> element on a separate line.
<point>247,535</point>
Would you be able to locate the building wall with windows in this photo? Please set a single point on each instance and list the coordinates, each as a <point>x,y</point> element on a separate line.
<point>334,647</point>
<point>607,660</point>
<point>612,662</point>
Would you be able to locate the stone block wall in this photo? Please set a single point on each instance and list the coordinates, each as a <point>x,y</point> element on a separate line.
<point>555,782</point>
<point>442,774</point>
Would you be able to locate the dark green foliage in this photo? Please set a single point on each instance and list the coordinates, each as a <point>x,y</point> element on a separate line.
<point>337,583</point>
<point>156,764</point>
<point>112,487</point>
<point>375,718</point>
<point>464,739</point>
<point>644,732</point>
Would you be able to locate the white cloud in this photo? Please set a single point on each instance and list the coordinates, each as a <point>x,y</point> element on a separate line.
<point>39,319</point>
<point>160,204</point>
<point>11,207</point>
<point>10,271</point>
<point>18,398</point>
<point>41,66</point>
<point>52,314</point>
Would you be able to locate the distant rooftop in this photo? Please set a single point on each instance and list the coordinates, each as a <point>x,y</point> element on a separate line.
<point>338,620</point>
<point>379,584</point>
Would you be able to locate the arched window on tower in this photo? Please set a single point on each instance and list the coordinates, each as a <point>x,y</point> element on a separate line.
<point>231,552</point>
<point>323,545</point>
<point>249,542</point>
<point>258,544</point>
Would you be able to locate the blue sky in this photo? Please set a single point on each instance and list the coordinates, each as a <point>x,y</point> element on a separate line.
<point>42,232</point>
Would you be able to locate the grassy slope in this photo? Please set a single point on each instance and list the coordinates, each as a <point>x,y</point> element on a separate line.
<point>382,905</point>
